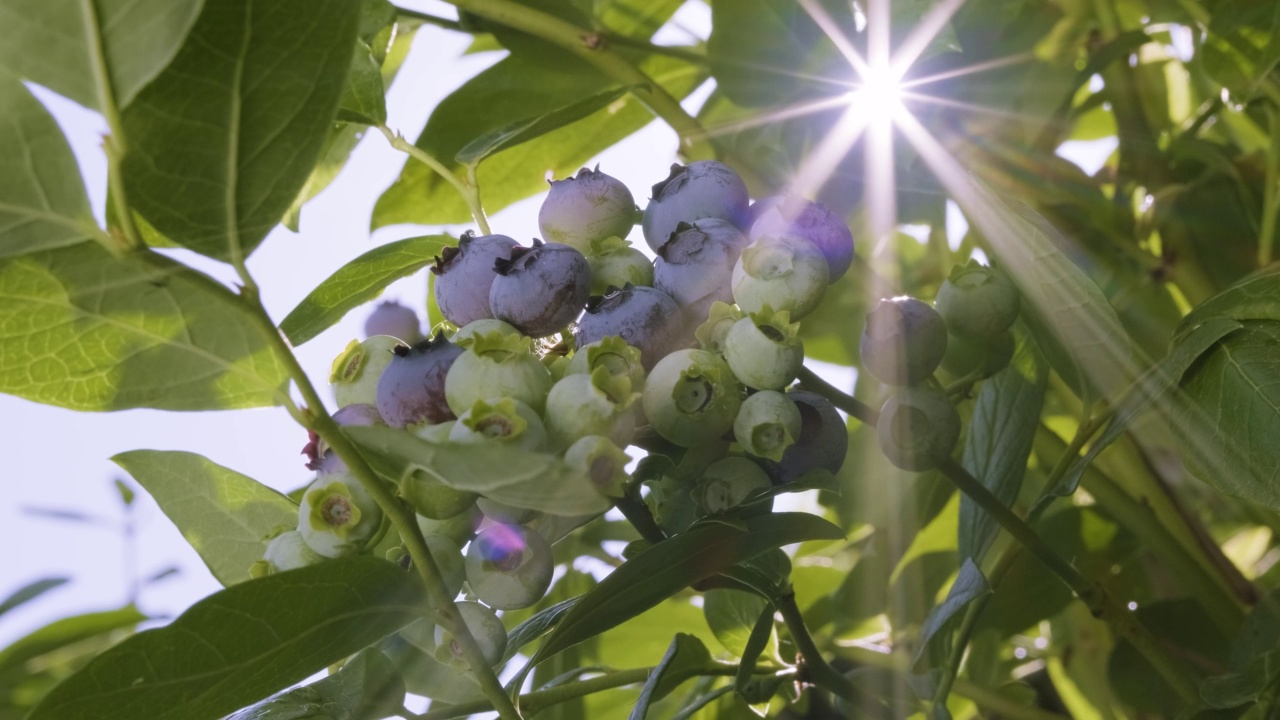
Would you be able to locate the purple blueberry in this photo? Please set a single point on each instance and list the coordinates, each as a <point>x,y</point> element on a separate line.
<point>325,460</point>
<point>463,276</point>
<point>644,317</point>
<point>695,266</point>
<point>821,445</point>
<point>586,208</point>
<point>784,215</point>
<point>903,341</point>
<point>392,318</point>
<point>702,189</point>
<point>541,289</point>
<point>411,389</point>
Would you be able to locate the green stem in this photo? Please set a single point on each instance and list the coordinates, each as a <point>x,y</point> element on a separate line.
<point>533,702</point>
<point>1271,193</point>
<point>317,419</point>
<point>1094,596</point>
<point>846,402</point>
<point>114,144</point>
<point>589,45</point>
<point>814,668</point>
<point>469,192</point>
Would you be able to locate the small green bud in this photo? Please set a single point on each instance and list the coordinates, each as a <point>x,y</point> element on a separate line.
<point>336,515</point>
<point>720,319</point>
<point>612,353</point>
<point>764,349</point>
<point>767,424</point>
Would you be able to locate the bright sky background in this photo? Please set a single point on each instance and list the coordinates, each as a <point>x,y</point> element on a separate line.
<point>59,458</point>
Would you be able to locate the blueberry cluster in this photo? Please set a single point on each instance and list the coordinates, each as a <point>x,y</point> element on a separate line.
<point>582,346</point>
<point>967,332</point>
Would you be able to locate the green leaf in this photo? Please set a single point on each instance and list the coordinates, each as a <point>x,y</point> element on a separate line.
<point>684,657</point>
<point>523,131</point>
<point>221,142</point>
<point>1243,686</point>
<point>358,282</point>
<point>732,615</point>
<point>1001,431</point>
<point>674,564</point>
<point>239,645</point>
<point>46,41</point>
<point>1186,634</point>
<point>1068,313</point>
<point>536,626</point>
<point>767,52</point>
<point>513,90</point>
<point>762,636</point>
<point>31,591</point>
<point>1228,412</point>
<point>500,472</point>
<point>66,632</point>
<point>1150,387</point>
<point>1256,297</point>
<point>364,100</point>
<point>87,331</point>
<point>935,633</point>
<point>227,517</point>
<point>42,200</point>
<point>635,18</point>
<point>368,687</point>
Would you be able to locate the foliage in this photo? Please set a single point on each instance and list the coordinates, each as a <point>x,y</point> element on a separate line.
<point>1092,562</point>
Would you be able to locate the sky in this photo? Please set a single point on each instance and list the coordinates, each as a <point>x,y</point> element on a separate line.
<point>62,457</point>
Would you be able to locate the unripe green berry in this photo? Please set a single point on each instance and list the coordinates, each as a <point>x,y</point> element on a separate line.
<point>764,349</point>
<point>337,515</point>
<point>614,263</point>
<point>981,358</point>
<point>691,397</point>
<point>504,513</point>
<point>786,273</point>
<point>978,301</point>
<point>484,626</point>
<point>613,353</point>
<point>604,463</point>
<point>595,404</point>
<point>286,551</point>
<point>726,483</point>
<point>495,366</point>
<point>767,424</point>
<point>720,319</point>
<point>672,503</point>
<point>918,428</point>
<point>460,528</point>
<point>430,497</point>
<point>903,341</point>
<point>467,334</point>
<point>355,372</point>
<point>509,567</point>
<point>503,420</point>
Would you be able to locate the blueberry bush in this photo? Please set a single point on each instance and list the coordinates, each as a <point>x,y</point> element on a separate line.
<point>875,406</point>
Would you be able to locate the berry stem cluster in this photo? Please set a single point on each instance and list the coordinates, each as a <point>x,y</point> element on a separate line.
<point>315,418</point>
<point>1095,597</point>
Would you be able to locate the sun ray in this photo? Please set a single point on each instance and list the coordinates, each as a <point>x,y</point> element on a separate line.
<point>969,107</point>
<point>832,30</point>
<point>922,34</point>
<point>822,161</point>
<point>787,113</point>
<point>967,70</point>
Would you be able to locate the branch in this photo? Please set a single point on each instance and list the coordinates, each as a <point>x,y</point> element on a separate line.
<point>468,190</point>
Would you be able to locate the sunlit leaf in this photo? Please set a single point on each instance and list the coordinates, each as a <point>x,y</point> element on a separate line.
<point>227,517</point>
<point>240,645</point>
<point>84,330</point>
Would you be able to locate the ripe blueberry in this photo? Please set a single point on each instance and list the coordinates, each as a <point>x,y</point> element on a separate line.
<point>392,318</point>
<point>540,290</point>
<point>643,317</point>
<point>776,216</point>
<point>695,266</point>
<point>589,207</point>
<point>702,189</point>
<point>464,276</point>
<point>411,390</point>
<point>903,341</point>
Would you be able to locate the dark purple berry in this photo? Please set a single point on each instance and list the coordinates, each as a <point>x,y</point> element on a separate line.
<point>411,389</point>
<point>392,318</point>
<point>776,216</point>
<point>644,317</point>
<point>702,189</point>
<point>541,289</point>
<point>319,456</point>
<point>463,276</point>
<point>591,206</point>
<point>695,266</point>
<point>821,445</point>
<point>903,341</point>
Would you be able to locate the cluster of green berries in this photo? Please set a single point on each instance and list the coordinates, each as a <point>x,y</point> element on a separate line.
<point>968,332</point>
<point>584,346</point>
